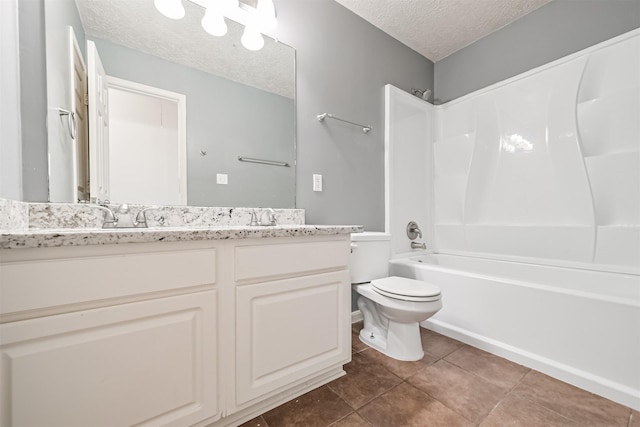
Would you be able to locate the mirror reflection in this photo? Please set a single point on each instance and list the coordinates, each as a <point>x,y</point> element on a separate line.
<point>171,109</point>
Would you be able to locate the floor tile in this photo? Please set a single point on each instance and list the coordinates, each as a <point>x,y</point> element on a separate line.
<point>438,345</point>
<point>405,405</point>
<point>400,368</point>
<point>571,402</point>
<point>634,419</point>
<point>318,408</point>
<point>496,370</point>
<point>353,420</point>
<point>356,327</point>
<point>256,422</point>
<point>357,345</point>
<point>516,411</point>
<point>365,380</point>
<point>462,391</point>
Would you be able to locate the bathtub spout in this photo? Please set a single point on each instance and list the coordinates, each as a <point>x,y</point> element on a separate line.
<point>416,245</point>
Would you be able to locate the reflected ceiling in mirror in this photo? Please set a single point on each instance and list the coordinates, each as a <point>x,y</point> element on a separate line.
<point>137,24</point>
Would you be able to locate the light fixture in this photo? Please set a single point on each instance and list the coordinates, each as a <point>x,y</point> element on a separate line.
<point>170,8</point>
<point>251,38</point>
<point>213,22</point>
<point>256,20</point>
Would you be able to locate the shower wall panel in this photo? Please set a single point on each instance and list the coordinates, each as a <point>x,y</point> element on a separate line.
<point>545,166</point>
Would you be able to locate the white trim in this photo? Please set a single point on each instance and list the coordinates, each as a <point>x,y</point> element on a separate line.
<point>181,101</point>
<point>74,49</point>
<point>579,378</point>
<point>543,67</point>
<point>356,316</point>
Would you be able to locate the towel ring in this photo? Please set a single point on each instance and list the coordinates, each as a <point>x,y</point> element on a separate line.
<point>72,126</point>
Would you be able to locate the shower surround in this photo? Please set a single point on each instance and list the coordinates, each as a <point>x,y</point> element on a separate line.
<point>545,167</point>
<point>539,172</point>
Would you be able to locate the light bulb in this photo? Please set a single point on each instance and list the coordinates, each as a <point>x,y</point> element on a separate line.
<point>213,23</point>
<point>267,14</point>
<point>170,8</point>
<point>251,38</point>
<point>228,5</point>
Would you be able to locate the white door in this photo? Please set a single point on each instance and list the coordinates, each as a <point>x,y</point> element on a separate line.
<point>98,125</point>
<point>147,144</point>
<point>81,122</point>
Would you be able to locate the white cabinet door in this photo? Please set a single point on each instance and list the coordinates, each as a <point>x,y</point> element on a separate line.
<point>289,330</point>
<point>144,363</point>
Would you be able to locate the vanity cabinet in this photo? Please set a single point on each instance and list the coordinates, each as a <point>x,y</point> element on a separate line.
<point>292,314</point>
<point>184,333</point>
<point>107,336</point>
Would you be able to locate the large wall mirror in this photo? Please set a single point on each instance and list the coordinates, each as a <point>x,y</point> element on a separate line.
<point>184,107</point>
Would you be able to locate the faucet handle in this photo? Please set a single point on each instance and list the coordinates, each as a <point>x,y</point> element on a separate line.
<point>413,231</point>
<point>110,218</point>
<point>253,222</point>
<point>141,218</point>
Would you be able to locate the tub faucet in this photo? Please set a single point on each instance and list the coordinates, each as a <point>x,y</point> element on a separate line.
<point>416,245</point>
<point>413,231</point>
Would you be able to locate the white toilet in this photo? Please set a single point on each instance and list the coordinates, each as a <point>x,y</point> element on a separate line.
<point>392,307</point>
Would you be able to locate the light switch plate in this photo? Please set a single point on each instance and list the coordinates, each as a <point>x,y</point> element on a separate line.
<point>317,182</point>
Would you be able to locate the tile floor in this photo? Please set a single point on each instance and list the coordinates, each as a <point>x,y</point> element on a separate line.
<point>453,385</point>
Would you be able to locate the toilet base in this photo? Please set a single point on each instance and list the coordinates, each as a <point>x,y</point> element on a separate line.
<point>402,341</point>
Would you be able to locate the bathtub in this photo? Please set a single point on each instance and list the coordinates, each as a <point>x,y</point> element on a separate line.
<point>580,326</point>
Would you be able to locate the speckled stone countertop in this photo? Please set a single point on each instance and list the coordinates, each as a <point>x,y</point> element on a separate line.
<point>39,225</point>
<point>41,238</point>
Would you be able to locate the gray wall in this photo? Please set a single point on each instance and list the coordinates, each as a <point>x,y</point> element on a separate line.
<point>33,108</point>
<point>10,150</point>
<point>560,28</point>
<point>343,63</point>
<point>226,119</point>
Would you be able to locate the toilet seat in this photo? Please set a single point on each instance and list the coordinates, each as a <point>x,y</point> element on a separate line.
<point>406,289</point>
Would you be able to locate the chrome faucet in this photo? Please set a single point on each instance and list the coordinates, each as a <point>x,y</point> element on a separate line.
<point>110,218</point>
<point>253,222</point>
<point>416,245</point>
<point>141,218</point>
<point>271,217</point>
<point>413,231</point>
<point>124,217</point>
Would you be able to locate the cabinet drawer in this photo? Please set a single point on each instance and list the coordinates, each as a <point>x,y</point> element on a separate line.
<point>52,282</point>
<point>260,262</point>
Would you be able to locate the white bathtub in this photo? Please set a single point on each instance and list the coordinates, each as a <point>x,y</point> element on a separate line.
<point>580,326</point>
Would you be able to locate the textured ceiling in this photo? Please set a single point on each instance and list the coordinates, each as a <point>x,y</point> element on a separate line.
<point>138,25</point>
<point>438,28</point>
<point>433,28</point>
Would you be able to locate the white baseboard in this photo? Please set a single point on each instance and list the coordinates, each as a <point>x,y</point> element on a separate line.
<point>356,316</point>
<point>601,386</point>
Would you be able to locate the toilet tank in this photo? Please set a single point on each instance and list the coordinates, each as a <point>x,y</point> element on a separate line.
<point>370,253</point>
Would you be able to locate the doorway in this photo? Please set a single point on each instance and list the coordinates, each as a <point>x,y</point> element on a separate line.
<point>147,144</point>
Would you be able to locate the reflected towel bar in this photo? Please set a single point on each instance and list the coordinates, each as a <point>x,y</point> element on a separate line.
<point>263,162</point>
<point>321,117</point>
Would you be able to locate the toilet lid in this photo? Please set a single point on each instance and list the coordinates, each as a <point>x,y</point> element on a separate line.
<point>407,289</point>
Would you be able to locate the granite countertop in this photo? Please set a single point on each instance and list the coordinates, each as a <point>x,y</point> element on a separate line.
<point>40,238</point>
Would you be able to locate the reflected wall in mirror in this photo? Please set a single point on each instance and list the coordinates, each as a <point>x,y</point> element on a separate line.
<point>238,102</point>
